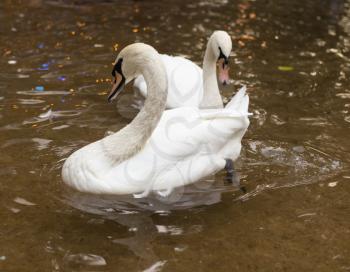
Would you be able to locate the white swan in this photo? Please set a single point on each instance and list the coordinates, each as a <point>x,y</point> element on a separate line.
<point>159,150</point>
<point>185,78</point>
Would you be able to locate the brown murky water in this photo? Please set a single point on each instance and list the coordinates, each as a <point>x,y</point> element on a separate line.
<point>293,56</point>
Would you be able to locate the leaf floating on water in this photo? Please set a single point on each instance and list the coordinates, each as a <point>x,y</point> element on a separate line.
<point>86,259</point>
<point>23,201</point>
<point>285,68</point>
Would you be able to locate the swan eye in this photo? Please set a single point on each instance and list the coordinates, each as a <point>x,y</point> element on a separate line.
<point>117,68</point>
<point>222,56</point>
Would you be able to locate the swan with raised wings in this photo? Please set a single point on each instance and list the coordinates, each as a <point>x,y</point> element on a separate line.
<point>188,85</point>
<point>159,150</point>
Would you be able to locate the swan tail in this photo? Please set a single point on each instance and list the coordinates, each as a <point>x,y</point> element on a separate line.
<point>239,102</point>
<point>236,108</point>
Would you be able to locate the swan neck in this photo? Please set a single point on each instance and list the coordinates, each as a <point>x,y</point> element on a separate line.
<point>131,139</point>
<point>155,102</point>
<point>211,92</point>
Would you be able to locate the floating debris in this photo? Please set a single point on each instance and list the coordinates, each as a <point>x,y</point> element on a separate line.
<point>60,127</point>
<point>285,68</point>
<point>332,184</point>
<point>12,62</point>
<point>172,230</point>
<point>39,88</point>
<point>23,201</point>
<point>86,259</point>
<point>41,45</point>
<point>155,267</point>
<point>180,248</point>
<point>307,214</point>
<point>98,45</point>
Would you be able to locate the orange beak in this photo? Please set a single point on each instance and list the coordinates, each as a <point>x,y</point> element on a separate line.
<point>223,71</point>
<point>118,86</point>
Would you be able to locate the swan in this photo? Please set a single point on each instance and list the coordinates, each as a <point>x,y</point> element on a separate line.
<point>188,85</point>
<point>160,149</point>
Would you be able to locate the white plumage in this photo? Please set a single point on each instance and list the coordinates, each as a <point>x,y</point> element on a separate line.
<point>188,84</point>
<point>186,144</point>
<point>185,82</point>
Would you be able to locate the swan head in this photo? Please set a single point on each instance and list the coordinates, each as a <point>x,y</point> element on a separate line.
<point>130,63</point>
<point>221,45</point>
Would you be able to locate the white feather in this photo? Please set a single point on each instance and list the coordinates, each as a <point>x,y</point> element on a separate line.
<point>186,144</point>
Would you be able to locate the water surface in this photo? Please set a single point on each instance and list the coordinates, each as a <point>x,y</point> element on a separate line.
<point>54,77</point>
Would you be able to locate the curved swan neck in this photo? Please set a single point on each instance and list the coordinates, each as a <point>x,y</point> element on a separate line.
<point>155,103</point>
<point>211,92</point>
<point>132,138</point>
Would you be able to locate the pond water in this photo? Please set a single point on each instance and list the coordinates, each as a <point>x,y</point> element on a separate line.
<point>295,165</point>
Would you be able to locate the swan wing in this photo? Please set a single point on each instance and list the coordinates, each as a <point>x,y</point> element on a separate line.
<point>185,147</point>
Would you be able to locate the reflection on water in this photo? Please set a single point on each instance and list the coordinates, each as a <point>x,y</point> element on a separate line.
<point>55,75</point>
<point>136,215</point>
